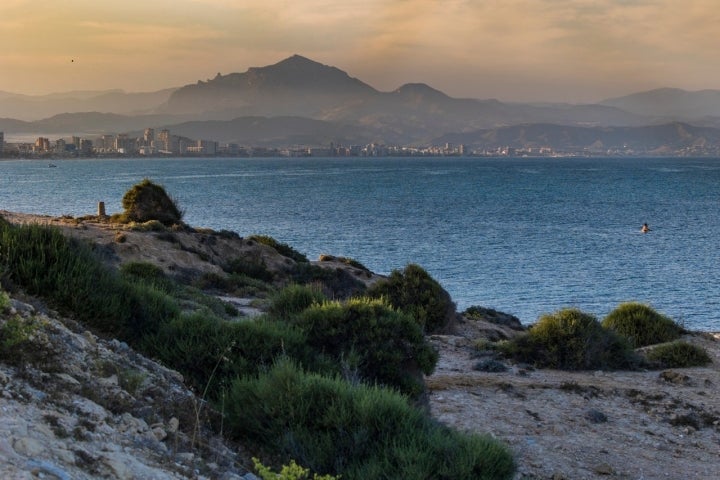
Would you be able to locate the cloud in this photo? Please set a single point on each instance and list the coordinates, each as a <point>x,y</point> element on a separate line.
<point>465,47</point>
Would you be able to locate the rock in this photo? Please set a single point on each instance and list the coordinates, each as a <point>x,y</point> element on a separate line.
<point>675,377</point>
<point>604,469</point>
<point>42,466</point>
<point>173,425</point>
<point>7,452</point>
<point>185,457</point>
<point>23,309</point>
<point>68,379</point>
<point>596,416</point>
<point>159,433</point>
<point>28,447</point>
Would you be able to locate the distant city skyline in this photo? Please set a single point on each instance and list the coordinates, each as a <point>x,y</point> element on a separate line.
<point>576,51</point>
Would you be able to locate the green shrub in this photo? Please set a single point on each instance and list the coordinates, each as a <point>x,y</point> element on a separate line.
<point>69,275</point>
<point>148,274</point>
<point>293,299</point>
<point>678,354</point>
<point>148,201</point>
<point>572,340</point>
<point>15,332</point>
<point>381,344</point>
<point>336,282</point>
<point>346,260</point>
<point>210,352</point>
<point>282,248</point>
<point>4,301</point>
<point>143,271</point>
<point>253,268</point>
<point>642,325</point>
<point>23,341</point>
<point>292,471</point>
<point>414,291</point>
<point>359,432</point>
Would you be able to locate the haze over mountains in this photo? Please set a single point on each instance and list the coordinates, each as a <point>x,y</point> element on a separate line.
<point>299,101</point>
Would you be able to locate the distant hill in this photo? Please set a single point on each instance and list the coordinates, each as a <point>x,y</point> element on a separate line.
<point>298,86</point>
<point>298,100</point>
<point>277,131</point>
<point>28,107</point>
<point>295,85</point>
<point>647,138</point>
<point>670,103</point>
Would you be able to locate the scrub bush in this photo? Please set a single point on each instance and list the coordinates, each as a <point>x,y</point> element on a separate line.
<point>570,339</point>
<point>250,267</point>
<point>4,301</point>
<point>282,248</point>
<point>678,354</point>
<point>68,274</point>
<point>210,352</point>
<point>336,282</point>
<point>293,299</point>
<point>415,292</point>
<point>382,344</point>
<point>642,325</point>
<point>148,201</point>
<point>358,432</point>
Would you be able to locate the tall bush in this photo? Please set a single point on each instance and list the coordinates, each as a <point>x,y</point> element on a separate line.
<point>293,299</point>
<point>414,291</point>
<point>573,340</point>
<point>642,325</point>
<point>148,201</point>
<point>382,344</point>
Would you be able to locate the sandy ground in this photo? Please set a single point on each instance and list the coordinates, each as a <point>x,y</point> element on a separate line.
<point>585,425</point>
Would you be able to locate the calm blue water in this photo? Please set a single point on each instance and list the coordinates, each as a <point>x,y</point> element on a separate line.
<point>525,236</point>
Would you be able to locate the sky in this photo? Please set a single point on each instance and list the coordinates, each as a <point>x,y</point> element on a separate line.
<point>576,51</point>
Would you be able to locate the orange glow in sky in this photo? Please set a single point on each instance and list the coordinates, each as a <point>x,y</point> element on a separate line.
<point>525,50</point>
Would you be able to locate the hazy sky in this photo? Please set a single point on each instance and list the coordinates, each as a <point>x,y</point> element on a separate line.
<point>538,50</point>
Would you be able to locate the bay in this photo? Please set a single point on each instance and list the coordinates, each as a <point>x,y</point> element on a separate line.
<point>524,236</point>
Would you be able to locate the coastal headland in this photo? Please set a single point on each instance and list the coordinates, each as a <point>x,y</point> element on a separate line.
<point>68,419</point>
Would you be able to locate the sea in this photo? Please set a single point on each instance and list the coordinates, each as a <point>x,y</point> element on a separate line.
<point>525,236</point>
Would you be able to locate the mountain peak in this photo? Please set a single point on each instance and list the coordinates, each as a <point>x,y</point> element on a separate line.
<point>421,90</point>
<point>295,72</point>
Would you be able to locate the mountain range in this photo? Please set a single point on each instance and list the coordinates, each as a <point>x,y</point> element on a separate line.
<point>300,101</point>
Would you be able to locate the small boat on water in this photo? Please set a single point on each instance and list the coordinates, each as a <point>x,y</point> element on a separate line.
<point>52,165</point>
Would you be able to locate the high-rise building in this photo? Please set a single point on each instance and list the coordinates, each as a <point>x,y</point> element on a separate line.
<point>149,136</point>
<point>164,138</point>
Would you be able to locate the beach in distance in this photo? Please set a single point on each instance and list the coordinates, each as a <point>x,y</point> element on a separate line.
<point>524,236</point>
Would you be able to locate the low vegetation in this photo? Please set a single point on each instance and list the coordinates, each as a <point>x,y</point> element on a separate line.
<point>371,339</point>
<point>678,354</point>
<point>357,431</point>
<point>281,248</point>
<point>415,292</point>
<point>570,339</point>
<point>642,325</point>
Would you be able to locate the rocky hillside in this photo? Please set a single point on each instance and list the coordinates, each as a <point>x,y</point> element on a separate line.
<point>77,406</point>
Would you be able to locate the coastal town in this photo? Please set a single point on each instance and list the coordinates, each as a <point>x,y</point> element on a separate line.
<point>164,144</point>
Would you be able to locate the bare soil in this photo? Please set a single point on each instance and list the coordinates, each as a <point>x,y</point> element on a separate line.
<point>584,425</point>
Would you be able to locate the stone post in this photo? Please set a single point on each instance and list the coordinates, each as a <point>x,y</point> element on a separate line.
<point>101,209</point>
